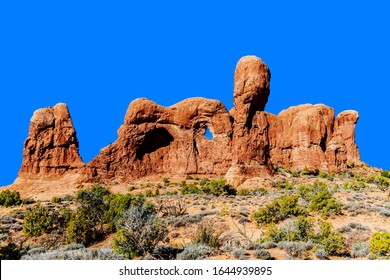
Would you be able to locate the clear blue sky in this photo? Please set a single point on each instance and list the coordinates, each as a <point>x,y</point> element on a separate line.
<point>97,56</point>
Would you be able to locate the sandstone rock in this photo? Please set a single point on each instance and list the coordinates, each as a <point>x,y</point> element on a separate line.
<point>251,85</point>
<point>342,148</point>
<point>166,141</point>
<point>250,143</point>
<point>51,147</point>
<point>299,136</point>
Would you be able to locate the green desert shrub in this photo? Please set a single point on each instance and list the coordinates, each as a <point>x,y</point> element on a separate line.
<point>218,187</point>
<point>380,245</point>
<point>324,203</point>
<point>381,182</point>
<point>256,191</point>
<point>118,203</point>
<point>310,172</point>
<point>37,220</point>
<point>300,229</point>
<point>10,198</point>
<point>98,213</point>
<point>56,199</point>
<point>320,199</point>
<point>79,230</point>
<point>165,181</point>
<point>385,173</point>
<point>325,175</point>
<point>189,189</point>
<point>139,232</point>
<point>329,239</point>
<point>355,185</point>
<point>87,222</point>
<point>244,192</point>
<point>93,200</point>
<point>278,210</point>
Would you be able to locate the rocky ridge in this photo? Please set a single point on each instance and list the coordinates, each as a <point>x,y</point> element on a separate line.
<point>154,140</point>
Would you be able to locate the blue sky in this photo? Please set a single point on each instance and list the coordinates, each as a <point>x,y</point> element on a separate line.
<point>97,56</point>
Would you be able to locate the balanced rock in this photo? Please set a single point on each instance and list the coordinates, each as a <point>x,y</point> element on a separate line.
<point>250,141</point>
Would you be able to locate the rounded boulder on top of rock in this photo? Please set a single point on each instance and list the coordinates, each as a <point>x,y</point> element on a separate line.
<point>251,86</point>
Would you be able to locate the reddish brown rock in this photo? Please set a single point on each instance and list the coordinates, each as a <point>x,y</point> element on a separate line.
<point>299,136</point>
<point>154,140</point>
<point>51,147</point>
<point>342,149</point>
<point>250,143</point>
<point>168,140</point>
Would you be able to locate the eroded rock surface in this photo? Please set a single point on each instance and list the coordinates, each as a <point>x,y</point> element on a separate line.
<point>51,147</point>
<point>247,141</point>
<point>168,140</point>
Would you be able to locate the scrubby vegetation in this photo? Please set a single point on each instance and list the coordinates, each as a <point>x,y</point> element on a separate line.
<point>329,239</point>
<point>9,198</point>
<point>289,216</point>
<point>207,235</point>
<point>140,231</point>
<point>215,187</point>
<point>380,245</point>
<point>278,210</point>
<point>37,221</point>
<point>320,199</point>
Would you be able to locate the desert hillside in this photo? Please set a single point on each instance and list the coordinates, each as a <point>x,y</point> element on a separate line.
<point>291,215</point>
<point>265,186</point>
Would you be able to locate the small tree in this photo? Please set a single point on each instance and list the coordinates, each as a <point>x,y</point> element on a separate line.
<point>218,187</point>
<point>8,198</point>
<point>87,222</point>
<point>140,231</point>
<point>37,221</point>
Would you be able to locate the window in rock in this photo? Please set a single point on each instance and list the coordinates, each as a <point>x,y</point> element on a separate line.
<point>153,141</point>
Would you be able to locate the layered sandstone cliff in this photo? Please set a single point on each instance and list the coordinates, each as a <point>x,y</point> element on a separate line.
<point>51,147</point>
<point>247,141</point>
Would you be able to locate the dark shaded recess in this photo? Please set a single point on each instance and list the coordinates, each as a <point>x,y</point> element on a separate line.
<point>251,114</point>
<point>256,104</point>
<point>153,141</point>
<point>323,143</point>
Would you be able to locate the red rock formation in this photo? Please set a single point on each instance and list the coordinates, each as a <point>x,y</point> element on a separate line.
<point>246,142</point>
<point>51,147</point>
<point>168,140</point>
<point>300,136</point>
<point>342,148</point>
<point>250,144</point>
